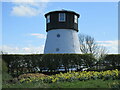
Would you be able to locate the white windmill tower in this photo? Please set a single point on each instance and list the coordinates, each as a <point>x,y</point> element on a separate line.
<point>62,32</point>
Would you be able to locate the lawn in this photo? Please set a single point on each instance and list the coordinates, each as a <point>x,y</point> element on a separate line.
<point>84,84</point>
<point>75,84</point>
<point>0,80</point>
<point>82,79</point>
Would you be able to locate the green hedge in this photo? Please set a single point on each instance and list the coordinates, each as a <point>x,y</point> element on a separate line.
<point>19,64</point>
<point>112,61</point>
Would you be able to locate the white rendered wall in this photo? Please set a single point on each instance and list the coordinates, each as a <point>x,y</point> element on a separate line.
<point>68,42</point>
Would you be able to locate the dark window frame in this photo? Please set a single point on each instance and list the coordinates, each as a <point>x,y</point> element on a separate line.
<point>75,19</point>
<point>48,19</point>
<point>62,17</point>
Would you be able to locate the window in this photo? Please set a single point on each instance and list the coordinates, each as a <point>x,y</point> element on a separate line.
<point>58,35</point>
<point>75,19</point>
<point>48,19</point>
<point>57,49</point>
<point>62,17</point>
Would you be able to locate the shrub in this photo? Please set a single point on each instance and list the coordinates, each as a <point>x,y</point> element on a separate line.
<point>4,67</point>
<point>5,75</point>
<point>71,76</point>
<point>21,64</point>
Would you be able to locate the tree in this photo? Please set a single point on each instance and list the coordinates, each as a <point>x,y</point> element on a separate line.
<point>88,45</point>
<point>2,52</point>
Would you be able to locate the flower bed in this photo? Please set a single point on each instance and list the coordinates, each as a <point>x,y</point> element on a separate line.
<point>71,76</point>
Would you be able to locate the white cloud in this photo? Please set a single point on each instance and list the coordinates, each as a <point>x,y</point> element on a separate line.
<point>112,46</point>
<point>38,35</point>
<point>28,7</point>
<point>22,50</point>
<point>24,11</point>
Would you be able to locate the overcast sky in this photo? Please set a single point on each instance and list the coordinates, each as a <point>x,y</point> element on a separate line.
<point>24,26</point>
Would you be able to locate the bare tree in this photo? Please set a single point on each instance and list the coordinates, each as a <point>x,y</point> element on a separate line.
<point>2,52</point>
<point>88,45</point>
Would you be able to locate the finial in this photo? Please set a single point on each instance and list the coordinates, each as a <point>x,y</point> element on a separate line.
<point>63,9</point>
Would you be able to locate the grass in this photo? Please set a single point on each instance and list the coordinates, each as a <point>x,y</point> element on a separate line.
<point>83,84</point>
<point>6,76</point>
<point>26,85</point>
<point>75,84</point>
<point>0,72</point>
<point>0,81</point>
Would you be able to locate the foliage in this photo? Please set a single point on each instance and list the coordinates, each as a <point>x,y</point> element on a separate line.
<point>71,76</point>
<point>21,64</point>
<point>32,75</point>
<point>112,60</point>
<point>4,67</point>
<point>5,75</point>
<point>84,79</point>
<point>39,63</point>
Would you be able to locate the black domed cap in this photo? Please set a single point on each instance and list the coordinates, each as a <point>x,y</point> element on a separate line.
<point>62,11</point>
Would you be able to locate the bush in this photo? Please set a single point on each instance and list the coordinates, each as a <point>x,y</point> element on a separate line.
<point>21,64</point>
<point>31,75</point>
<point>5,75</point>
<point>4,67</point>
<point>71,76</point>
<point>112,61</point>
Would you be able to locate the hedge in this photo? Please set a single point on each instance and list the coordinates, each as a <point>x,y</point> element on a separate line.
<point>19,64</point>
<point>112,60</point>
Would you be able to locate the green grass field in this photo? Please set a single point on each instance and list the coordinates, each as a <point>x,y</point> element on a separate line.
<point>0,73</point>
<point>0,80</point>
<point>75,84</point>
<point>83,84</point>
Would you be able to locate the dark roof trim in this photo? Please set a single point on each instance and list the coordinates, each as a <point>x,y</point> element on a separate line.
<point>62,11</point>
<point>61,28</point>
